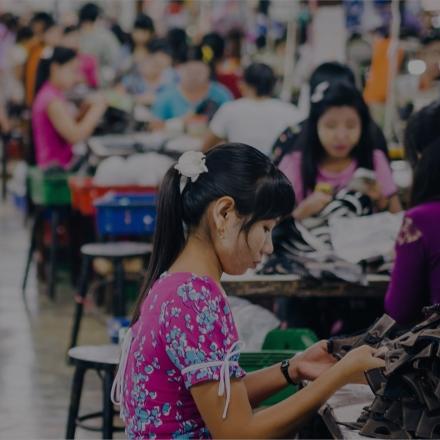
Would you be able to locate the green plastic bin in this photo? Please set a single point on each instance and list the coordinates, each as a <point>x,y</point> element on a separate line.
<point>48,188</point>
<point>256,360</point>
<point>296,339</point>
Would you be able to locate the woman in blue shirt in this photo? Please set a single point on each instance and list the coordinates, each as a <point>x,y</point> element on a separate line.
<point>195,93</point>
<point>152,75</point>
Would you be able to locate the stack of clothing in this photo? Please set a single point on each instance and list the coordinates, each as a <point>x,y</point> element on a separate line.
<point>305,248</point>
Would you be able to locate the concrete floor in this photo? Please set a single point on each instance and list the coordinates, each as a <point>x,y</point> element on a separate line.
<point>34,377</point>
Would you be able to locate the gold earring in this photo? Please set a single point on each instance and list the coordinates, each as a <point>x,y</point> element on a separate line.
<point>221,234</point>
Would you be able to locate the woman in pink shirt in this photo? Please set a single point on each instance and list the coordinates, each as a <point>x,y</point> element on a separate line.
<point>179,375</point>
<point>55,127</point>
<point>334,143</point>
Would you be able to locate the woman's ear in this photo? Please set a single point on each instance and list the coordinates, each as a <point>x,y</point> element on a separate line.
<point>222,210</point>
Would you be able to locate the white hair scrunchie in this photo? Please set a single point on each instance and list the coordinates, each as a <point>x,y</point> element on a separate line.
<point>190,165</point>
<point>318,93</point>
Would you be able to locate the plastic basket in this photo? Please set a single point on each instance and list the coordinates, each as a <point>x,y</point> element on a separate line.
<point>84,193</point>
<point>126,214</point>
<point>20,201</point>
<point>48,188</point>
<point>256,360</point>
<point>289,339</point>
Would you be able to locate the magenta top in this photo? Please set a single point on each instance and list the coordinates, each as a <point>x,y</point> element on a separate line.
<point>184,336</point>
<point>415,281</point>
<point>50,147</point>
<point>291,167</point>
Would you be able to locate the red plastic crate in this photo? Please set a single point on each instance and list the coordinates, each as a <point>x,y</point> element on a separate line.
<point>84,192</point>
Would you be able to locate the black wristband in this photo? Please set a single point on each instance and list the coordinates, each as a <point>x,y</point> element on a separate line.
<point>285,370</point>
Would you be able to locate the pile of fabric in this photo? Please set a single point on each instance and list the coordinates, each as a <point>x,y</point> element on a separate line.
<point>338,242</point>
<point>145,169</point>
<point>306,249</point>
<point>407,390</point>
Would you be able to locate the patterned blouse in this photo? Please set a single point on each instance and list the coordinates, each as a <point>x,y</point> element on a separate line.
<point>185,335</point>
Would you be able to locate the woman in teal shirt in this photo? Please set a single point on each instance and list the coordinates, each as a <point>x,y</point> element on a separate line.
<point>195,93</point>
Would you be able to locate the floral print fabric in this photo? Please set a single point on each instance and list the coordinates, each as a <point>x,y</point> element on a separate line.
<point>185,321</point>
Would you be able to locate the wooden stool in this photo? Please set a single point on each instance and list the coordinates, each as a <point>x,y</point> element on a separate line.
<point>116,252</point>
<point>104,360</point>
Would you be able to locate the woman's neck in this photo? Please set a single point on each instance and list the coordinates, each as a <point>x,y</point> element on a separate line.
<point>335,164</point>
<point>54,83</point>
<point>153,81</point>
<point>194,95</point>
<point>198,257</point>
<point>252,94</point>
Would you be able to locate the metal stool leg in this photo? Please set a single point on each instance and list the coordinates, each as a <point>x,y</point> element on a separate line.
<point>108,411</point>
<point>75,397</point>
<point>31,250</point>
<point>118,299</point>
<point>54,222</point>
<point>4,143</point>
<point>82,292</point>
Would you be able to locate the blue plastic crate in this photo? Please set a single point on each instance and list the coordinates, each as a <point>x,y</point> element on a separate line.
<point>19,201</point>
<point>126,214</point>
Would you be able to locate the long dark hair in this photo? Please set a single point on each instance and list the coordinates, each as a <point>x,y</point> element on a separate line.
<point>426,182</point>
<point>58,55</point>
<point>421,131</point>
<point>259,189</point>
<point>338,94</point>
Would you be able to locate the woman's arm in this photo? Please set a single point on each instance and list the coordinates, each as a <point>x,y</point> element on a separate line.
<point>285,416</point>
<point>307,365</point>
<point>314,203</point>
<point>68,127</point>
<point>383,203</point>
<point>385,190</point>
<point>394,204</point>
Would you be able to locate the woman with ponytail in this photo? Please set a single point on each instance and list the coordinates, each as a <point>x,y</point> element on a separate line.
<point>54,126</point>
<point>179,374</point>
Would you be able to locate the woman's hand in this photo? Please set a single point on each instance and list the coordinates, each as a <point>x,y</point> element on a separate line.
<point>97,100</point>
<point>156,125</point>
<point>313,204</point>
<point>359,360</point>
<point>373,191</point>
<point>311,363</point>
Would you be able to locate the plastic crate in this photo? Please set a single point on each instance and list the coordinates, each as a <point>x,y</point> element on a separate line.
<point>256,360</point>
<point>48,188</point>
<point>20,202</point>
<point>289,339</point>
<point>126,214</point>
<point>84,192</point>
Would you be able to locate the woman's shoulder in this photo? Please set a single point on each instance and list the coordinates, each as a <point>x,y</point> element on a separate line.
<point>189,286</point>
<point>45,96</point>
<point>421,222</point>
<point>292,158</point>
<point>220,91</point>
<point>427,210</point>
